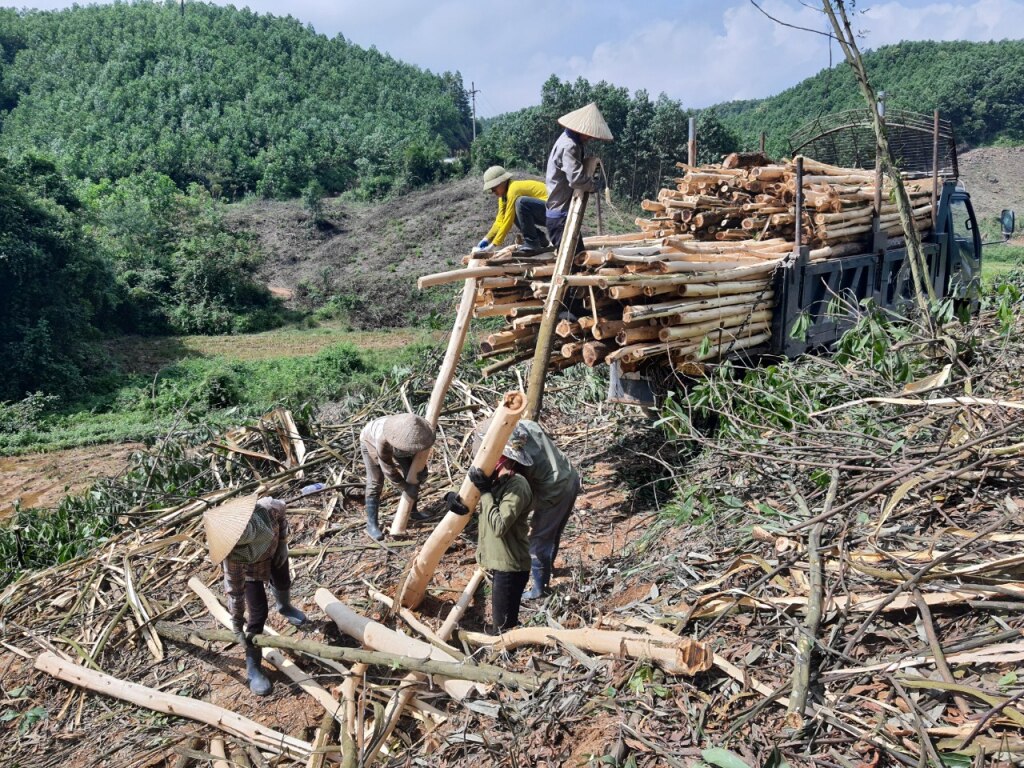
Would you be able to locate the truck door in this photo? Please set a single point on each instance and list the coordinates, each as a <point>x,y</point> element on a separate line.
<point>965,249</point>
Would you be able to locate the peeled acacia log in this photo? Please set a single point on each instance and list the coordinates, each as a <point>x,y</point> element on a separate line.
<point>180,706</point>
<point>379,638</point>
<point>425,563</point>
<point>678,656</point>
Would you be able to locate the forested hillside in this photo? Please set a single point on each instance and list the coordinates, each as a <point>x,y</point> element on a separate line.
<point>979,87</point>
<point>235,101</point>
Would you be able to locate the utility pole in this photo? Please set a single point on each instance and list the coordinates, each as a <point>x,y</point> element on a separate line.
<point>472,95</point>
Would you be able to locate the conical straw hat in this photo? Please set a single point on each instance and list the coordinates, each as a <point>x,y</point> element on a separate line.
<point>225,525</point>
<point>408,433</point>
<point>589,121</point>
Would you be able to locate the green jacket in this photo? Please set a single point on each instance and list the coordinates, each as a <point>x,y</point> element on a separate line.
<point>551,476</point>
<point>504,533</point>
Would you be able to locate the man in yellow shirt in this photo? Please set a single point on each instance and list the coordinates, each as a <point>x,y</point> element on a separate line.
<point>521,202</point>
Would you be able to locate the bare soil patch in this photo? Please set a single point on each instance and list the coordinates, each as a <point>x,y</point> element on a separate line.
<point>994,176</point>
<point>43,479</point>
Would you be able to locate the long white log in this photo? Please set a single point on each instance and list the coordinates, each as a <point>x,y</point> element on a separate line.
<point>376,636</point>
<point>425,563</point>
<point>441,384</point>
<point>182,706</point>
<point>679,656</point>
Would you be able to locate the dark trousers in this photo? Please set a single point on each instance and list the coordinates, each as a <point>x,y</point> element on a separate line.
<point>256,608</point>
<point>531,214</point>
<point>375,475</point>
<point>506,596</point>
<point>556,228</point>
<point>547,525</point>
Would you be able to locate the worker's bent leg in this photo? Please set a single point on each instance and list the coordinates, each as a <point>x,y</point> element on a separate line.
<point>530,215</point>
<point>255,607</point>
<point>374,476</point>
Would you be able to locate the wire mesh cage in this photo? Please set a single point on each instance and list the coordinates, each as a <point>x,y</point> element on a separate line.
<point>847,139</point>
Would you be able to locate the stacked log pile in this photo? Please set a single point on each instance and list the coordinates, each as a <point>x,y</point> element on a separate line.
<point>694,284</point>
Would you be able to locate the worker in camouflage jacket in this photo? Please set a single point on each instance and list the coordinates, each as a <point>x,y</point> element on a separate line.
<point>554,483</point>
<point>566,170</point>
<point>520,203</point>
<point>388,445</point>
<point>248,538</point>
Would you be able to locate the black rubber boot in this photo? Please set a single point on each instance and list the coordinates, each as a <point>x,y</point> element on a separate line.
<point>372,525</point>
<point>259,683</point>
<point>540,573</point>
<point>284,606</point>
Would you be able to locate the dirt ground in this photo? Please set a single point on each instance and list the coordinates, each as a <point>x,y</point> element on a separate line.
<point>43,479</point>
<point>994,177</point>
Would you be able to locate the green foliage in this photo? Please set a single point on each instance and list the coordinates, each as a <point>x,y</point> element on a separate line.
<point>978,87</point>
<point>24,414</point>
<point>179,269</point>
<point>313,201</point>
<point>650,137</point>
<point>54,287</point>
<point>235,101</point>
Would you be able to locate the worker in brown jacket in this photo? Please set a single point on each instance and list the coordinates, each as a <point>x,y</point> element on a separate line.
<point>388,445</point>
<point>248,538</point>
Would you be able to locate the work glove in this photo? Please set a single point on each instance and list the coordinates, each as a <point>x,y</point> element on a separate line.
<point>412,490</point>
<point>455,504</point>
<point>421,477</point>
<point>481,479</point>
<point>484,246</point>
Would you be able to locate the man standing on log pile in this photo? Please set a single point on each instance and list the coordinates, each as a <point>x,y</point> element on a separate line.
<point>520,202</point>
<point>555,484</point>
<point>389,445</point>
<point>565,171</point>
<point>248,538</point>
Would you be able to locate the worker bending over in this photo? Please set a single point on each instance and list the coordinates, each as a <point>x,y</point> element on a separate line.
<point>388,445</point>
<point>565,169</point>
<point>248,538</point>
<point>555,484</point>
<point>520,202</point>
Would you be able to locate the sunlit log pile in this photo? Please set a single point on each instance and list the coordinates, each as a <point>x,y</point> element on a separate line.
<point>695,283</point>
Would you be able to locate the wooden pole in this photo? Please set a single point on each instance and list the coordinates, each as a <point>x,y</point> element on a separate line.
<point>546,332</point>
<point>180,706</point>
<point>374,635</point>
<point>691,144</point>
<point>935,170</point>
<point>459,609</point>
<point>477,673</point>
<point>441,384</point>
<point>425,563</point>
<point>677,656</point>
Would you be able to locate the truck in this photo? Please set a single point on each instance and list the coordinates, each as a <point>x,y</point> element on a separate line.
<point>822,296</point>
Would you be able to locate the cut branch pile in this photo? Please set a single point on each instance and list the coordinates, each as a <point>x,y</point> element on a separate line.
<point>695,283</point>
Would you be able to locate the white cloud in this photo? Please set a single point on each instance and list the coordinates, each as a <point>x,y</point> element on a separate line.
<point>698,52</point>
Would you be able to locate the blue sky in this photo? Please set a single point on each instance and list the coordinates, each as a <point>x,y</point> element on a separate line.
<point>698,51</point>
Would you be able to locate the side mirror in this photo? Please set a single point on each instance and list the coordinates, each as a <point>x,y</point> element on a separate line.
<point>1008,220</point>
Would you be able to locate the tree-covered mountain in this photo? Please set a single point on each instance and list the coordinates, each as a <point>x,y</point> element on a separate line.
<point>978,87</point>
<point>227,98</point>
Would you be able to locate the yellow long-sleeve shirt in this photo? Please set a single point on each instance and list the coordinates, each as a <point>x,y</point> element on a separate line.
<point>507,207</point>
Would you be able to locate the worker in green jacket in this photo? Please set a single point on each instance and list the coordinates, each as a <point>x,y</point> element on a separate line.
<point>555,484</point>
<point>503,547</point>
<point>521,202</point>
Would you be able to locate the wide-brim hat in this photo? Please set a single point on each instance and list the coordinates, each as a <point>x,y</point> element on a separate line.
<point>408,433</point>
<point>494,176</point>
<point>513,447</point>
<point>588,121</point>
<point>225,525</point>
